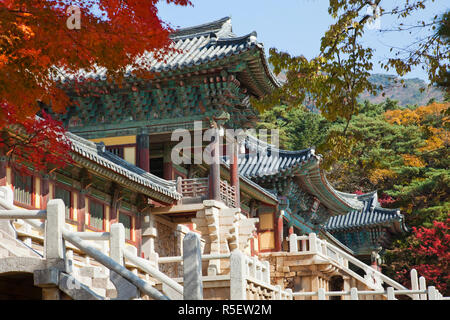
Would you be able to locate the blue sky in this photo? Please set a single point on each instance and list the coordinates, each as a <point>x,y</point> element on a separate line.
<point>295,26</point>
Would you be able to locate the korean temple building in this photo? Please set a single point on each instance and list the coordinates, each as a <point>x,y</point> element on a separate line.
<point>261,203</point>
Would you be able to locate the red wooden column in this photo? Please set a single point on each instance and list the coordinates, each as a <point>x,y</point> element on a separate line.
<point>81,210</point>
<point>291,229</point>
<point>235,172</point>
<point>214,174</point>
<point>138,233</point>
<point>45,191</point>
<point>167,162</point>
<point>279,236</point>
<point>143,151</point>
<point>3,163</point>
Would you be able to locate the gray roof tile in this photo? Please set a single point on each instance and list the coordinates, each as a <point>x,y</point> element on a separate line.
<point>97,153</point>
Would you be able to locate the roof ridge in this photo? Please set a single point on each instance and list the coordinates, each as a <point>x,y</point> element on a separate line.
<point>214,26</point>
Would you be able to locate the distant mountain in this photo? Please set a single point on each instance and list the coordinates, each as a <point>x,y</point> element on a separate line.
<point>407,93</point>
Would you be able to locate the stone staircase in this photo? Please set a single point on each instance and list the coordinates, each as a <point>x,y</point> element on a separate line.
<point>97,279</point>
<point>11,247</point>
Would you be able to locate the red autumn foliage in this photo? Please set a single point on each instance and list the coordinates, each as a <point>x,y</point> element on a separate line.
<point>39,142</point>
<point>429,253</point>
<point>36,45</point>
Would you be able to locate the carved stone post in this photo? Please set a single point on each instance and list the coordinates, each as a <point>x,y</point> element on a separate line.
<point>238,276</point>
<point>53,242</point>
<point>149,234</point>
<point>192,267</point>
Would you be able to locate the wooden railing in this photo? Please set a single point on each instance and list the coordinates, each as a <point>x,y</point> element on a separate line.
<point>199,188</point>
<point>227,194</point>
<point>193,187</point>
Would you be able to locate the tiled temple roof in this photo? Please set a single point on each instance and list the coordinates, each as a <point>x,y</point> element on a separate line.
<point>265,163</point>
<point>370,215</point>
<point>96,152</point>
<point>201,45</point>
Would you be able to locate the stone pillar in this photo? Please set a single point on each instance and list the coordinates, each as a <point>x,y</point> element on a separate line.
<point>238,276</point>
<point>53,241</point>
<point>148,234</point>
<point>143,151</point>
<point>214,175</point>
<point>81,210</point>
<point>192,267</point>
<point>234,172</point>
<point>45,190</point>
<point>167,162</point>
<point>3,163</point>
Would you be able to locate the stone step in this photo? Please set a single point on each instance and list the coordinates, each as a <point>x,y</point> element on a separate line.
<point>100,283</point>
<point>4,253</point>
<point>111,293</point>
<point>90,272</point>
<point>87,281</point>
<point>99,291</point>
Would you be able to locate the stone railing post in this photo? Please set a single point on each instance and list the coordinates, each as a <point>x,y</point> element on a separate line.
<point>432,293</point>
<point>125,289</point>
<point>117,242</point>
<point>192,267</point>
<point>277,292</point>
<point>53,242</point>
<point>414,283</point>
<point>390,293</point>
<point>312,242</point>
<point>321,294</point>
<point>238,277</point>
<point>266,271</point>
<point>149,234</point>
<point>293,243</point>
<point>354,294</point>
<point>423,286</point>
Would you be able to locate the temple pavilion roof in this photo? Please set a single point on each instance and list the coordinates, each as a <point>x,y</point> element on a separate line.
<point>96,152</point>
<point>266,164</point>
<point>370,215</point>
<point>204,46</point>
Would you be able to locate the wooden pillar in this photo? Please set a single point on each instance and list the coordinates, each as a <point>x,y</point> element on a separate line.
<point>143,151</point>
<point>81,210</point>
<point>214,174</point>
<point>138,233</point>
<point>3,164</point>
<point>235,172</point>
<point>167,162</point>
<point>279,235</point>
<point>115,206</point>
<point>45,191</point>
<point>291,229</point>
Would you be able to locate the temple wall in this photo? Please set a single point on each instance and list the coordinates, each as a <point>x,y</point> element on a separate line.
<point>168,243</point>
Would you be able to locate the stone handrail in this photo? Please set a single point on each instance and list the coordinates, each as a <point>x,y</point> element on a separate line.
<point>55,234</point>
<point>419,291</point>
<point>244,269</point>
<point>312,244</point>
